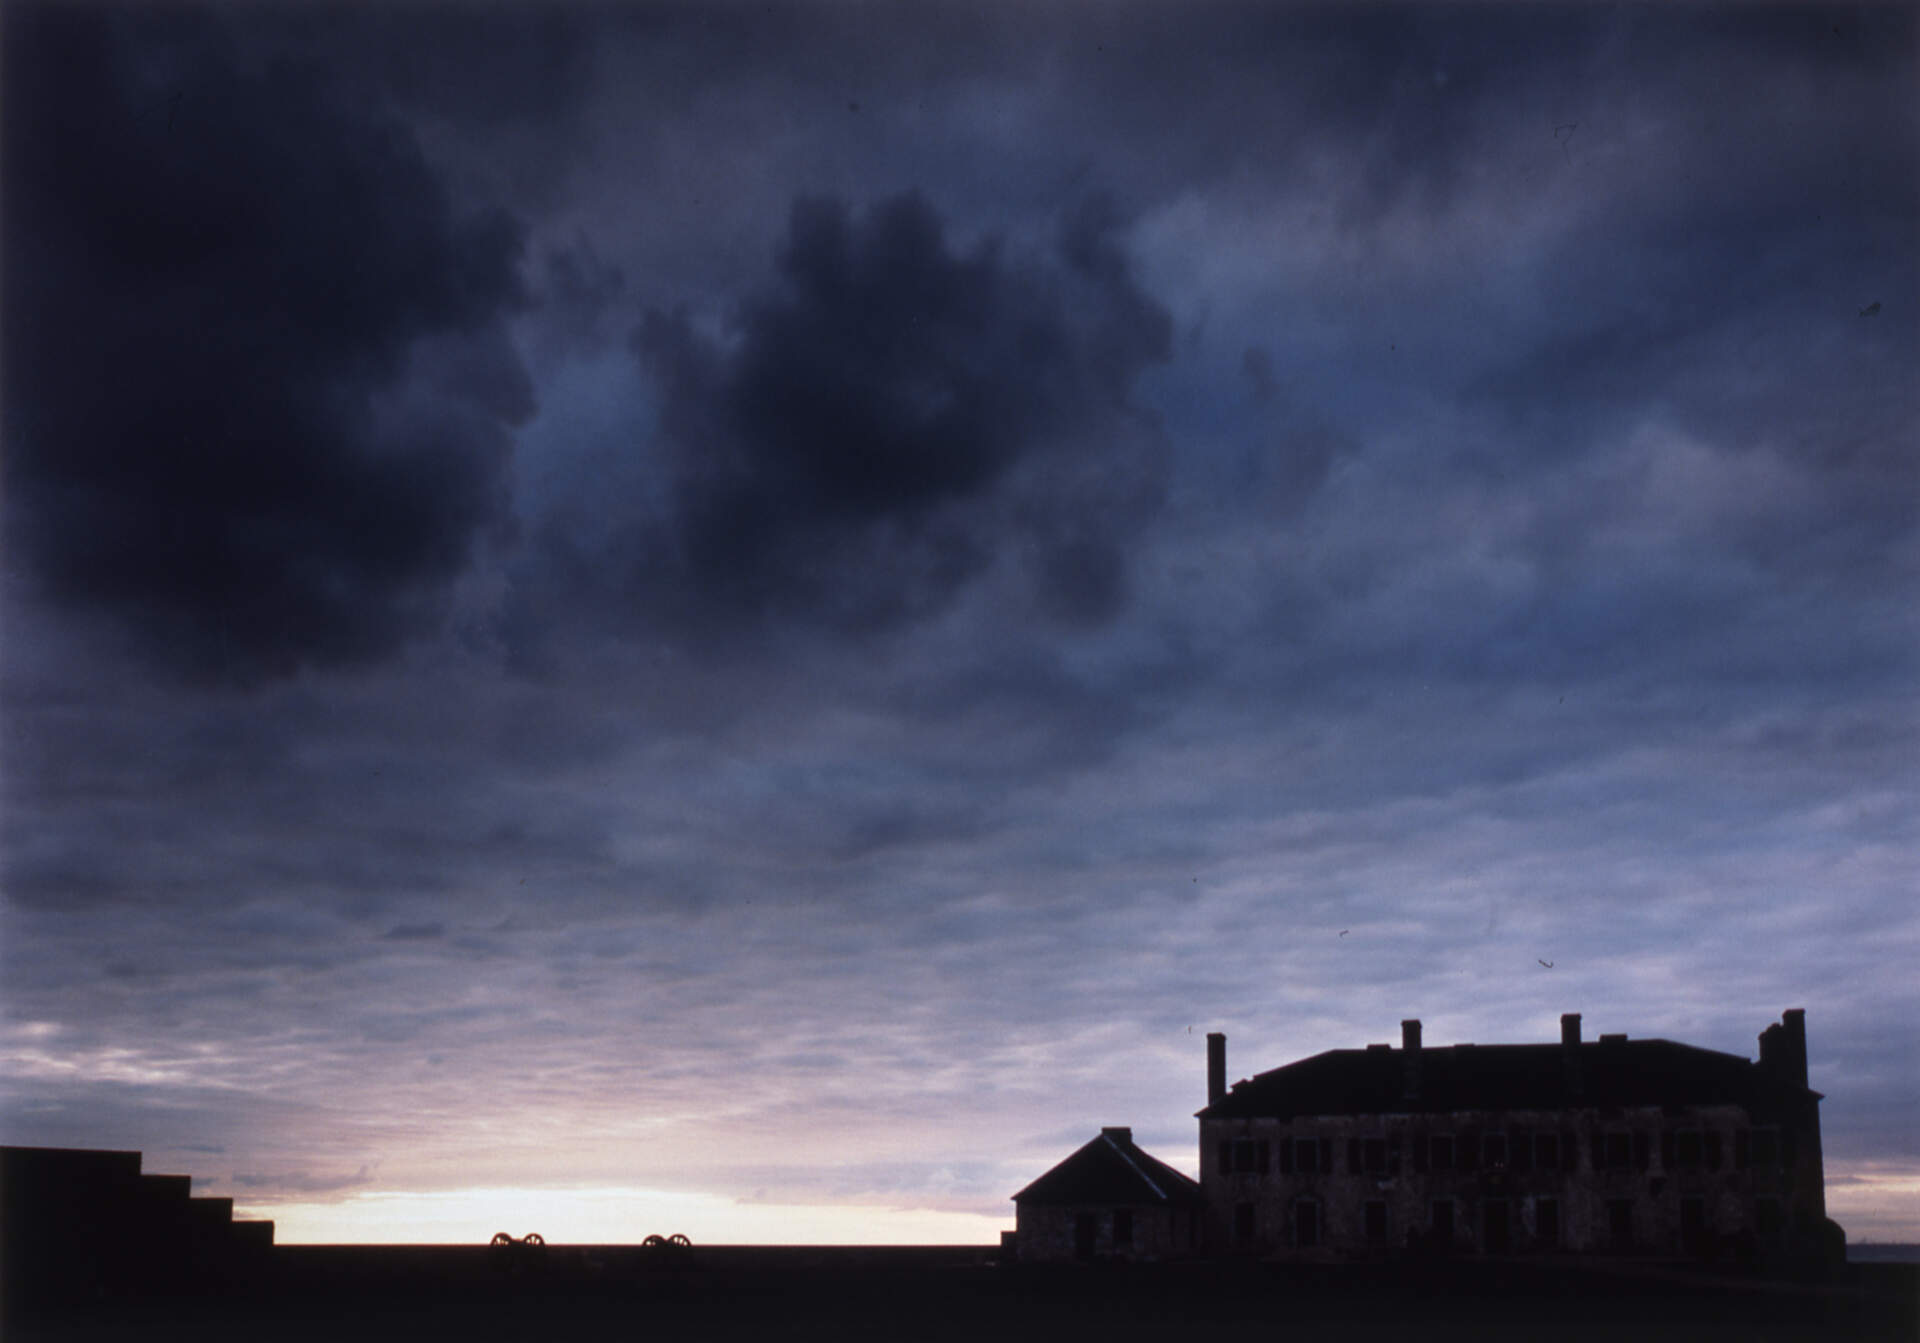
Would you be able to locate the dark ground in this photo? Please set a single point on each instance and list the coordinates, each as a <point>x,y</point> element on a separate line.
<point>362,1295</point>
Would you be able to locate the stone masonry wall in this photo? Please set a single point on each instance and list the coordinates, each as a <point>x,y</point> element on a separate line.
<point>1049,1234</point>
<point>1677,1181</point>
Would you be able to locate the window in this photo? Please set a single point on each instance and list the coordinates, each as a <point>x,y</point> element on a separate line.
<point>1442,1219</point>
<point>1617,1151</point>
<point>1123,1228</point>
<point>1243,1224</point>
<point>1354,1166</point>
<point>1083,1236</point>
<point>1546,1150</point>
<point>1286,1156</point>
<point>1376,1156</point>
<point>1441,1152</point>
<point>1306,1155</point>
<point>1765,1147</point>
<point>1520,1151</point>
<point>1546,1221</point>
<point>1466,1150</point>
<point>1243,1156</point>
<point>1686,1149</point>
<point>1766,1219</point>
<point>1496,1150</point>
<point>1713,1152</point>
<point>1642,1149</point>
<point>1376,1222</point>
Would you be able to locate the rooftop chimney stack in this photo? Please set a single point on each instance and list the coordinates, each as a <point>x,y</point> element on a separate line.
<point>1570,1051</point>
<point>1410,1045</point>
<point>1783,1046</point>
<point>1795,1021</point>
<point>1216,1067</point>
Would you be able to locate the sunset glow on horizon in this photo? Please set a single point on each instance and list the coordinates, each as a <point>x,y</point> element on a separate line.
<point>607,1217</point>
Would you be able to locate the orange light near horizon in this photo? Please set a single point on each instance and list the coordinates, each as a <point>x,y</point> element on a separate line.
<point>610,1216</point>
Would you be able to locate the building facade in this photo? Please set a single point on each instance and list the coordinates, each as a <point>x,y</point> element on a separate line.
<point>1109,1200</point>
<point>1642,1147</point>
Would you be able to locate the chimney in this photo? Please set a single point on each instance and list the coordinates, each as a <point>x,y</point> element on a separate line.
<point>1783,1046</point>
<point>1410,1044</point>
<point>1795,1021</point>
<point>1117,1133</point>
<point>1570,1052</point>
<point>1216,1067</point>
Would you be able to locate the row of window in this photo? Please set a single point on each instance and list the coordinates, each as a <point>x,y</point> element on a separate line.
<point>1497,1223</point>
<point>1680,1149</point>
<point>1085,1231</point>
<point>1306,1231</point>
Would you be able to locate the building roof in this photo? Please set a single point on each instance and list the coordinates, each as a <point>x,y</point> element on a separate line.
<point>1110,1169</point>
<point>1611,1072</point>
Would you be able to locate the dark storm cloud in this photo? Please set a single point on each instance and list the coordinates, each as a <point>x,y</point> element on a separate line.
<point>258,396</point>
<point>890,417</point>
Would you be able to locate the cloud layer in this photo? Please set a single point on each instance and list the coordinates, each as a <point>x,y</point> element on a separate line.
<point>793,611</point>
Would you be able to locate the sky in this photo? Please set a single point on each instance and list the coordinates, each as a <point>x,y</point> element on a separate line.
<point>751,619</point>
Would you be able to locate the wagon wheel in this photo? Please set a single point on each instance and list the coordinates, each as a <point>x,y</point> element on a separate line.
<point>653,1242</point>
<point>677,1239</point>
<point>501,1238</point>
<point>534,1238</point>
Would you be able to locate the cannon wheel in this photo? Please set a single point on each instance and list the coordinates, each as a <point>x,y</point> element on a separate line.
<point>534,1238</point>
<point>677,1239</point>
<point>653,1242</point>
<point>501,1238</point>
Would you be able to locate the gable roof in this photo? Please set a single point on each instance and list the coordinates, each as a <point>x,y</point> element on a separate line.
<point>1110,1169</point>
<point>1611,1072</point>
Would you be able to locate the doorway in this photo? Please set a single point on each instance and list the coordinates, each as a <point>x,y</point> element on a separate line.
<point>1494,1214</point>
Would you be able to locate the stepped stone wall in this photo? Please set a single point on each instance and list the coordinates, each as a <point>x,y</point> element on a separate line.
<point>80,1225</point>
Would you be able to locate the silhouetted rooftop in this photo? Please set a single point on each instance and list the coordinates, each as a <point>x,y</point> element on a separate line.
<point>1615,1072</point>
<point>1110,1169</point>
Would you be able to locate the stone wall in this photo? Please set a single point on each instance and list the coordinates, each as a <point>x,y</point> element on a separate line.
<point>1050,1234</point>
<point>1673,1181</point>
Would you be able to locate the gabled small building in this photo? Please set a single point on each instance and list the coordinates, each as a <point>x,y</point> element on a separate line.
<point>1109,1200</point>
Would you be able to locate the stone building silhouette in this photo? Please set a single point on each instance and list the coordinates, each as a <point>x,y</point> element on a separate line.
<point>1615,1146</point>
<point>1110,1199</point>
<point>79,1225</point>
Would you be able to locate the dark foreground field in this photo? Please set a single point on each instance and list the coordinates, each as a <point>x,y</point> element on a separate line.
<point>359,1295</point>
